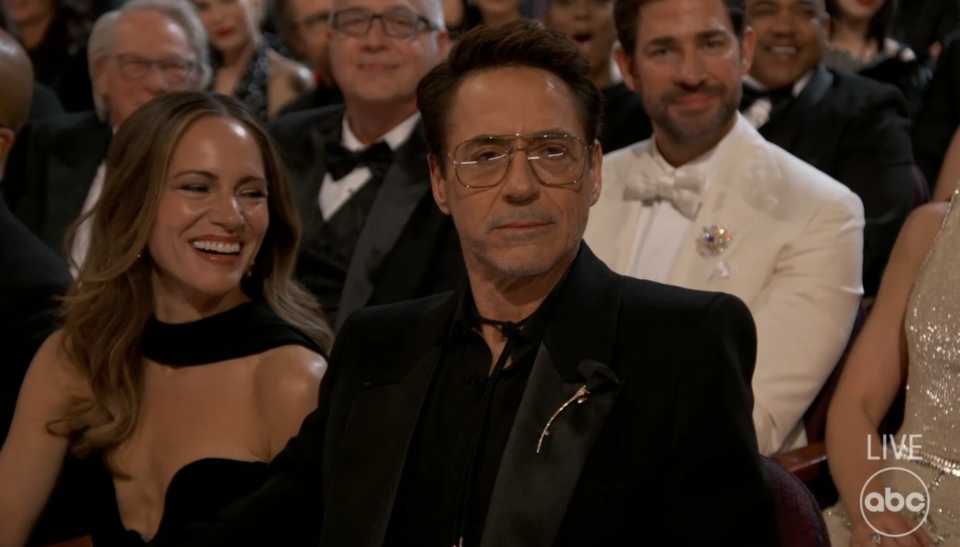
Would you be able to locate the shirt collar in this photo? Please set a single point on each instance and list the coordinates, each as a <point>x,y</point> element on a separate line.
<point>394,138</point>
<point>535,327</point>
<point>798,86</point>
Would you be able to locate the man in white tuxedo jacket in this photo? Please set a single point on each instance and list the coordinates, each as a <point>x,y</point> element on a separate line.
<point>708,204</point>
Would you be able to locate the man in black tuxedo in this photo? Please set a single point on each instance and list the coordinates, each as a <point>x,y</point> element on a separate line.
<point>146,49</point>
<point>31,281</point>
<point>849,127</point>
<point>551,402</point>
<point>372,233</point>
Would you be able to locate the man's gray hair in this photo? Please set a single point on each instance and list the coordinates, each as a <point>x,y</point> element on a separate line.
<point>181,12</point>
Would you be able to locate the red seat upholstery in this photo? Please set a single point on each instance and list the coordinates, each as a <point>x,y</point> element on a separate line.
<point>798,514</point>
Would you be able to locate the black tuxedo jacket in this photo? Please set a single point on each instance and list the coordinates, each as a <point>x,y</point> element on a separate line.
<point>855,130</point>
<point>51,171</point>
<point>408,248</point>
<point>940,116</point>
<point>667,455</point>
<point>319,97</point>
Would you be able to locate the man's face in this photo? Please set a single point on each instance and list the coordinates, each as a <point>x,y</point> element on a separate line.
<point>517,227</point>
<point>376,68</point>
<point>790,39</point>
<point>687,67</point>
<point>151,55</point>
<point>311,19</point>
<point>589,23</point>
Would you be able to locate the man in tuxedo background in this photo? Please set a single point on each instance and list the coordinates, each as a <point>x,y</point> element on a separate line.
<point>31,281</point>
<point>549,403</point>
<point>851,128</point>
<point>796,235</point>
<point>148,48</point>
<point>371,231</point>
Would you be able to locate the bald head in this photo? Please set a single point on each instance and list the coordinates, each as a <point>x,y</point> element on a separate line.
<point>16,73</point>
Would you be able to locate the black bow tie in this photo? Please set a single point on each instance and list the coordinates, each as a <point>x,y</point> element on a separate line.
<point>341,162</point>
<point>777,97</point>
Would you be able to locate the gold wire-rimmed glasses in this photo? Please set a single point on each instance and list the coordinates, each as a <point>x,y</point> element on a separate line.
<point>556,159</point>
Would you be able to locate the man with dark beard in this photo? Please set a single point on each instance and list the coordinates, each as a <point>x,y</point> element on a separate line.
<point>708,204</point>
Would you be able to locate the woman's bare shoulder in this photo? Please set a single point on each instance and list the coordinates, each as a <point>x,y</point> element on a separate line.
<point>54,363</point>
<point>294,74</point>
<point>289,371</point>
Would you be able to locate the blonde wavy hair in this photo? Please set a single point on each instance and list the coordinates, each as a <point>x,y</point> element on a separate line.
<point>109,304</point>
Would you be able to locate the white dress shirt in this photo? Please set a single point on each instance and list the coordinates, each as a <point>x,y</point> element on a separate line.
<point>333,194</point>
<point>759,112</point>
<point>661,228</point>
<point>81,242</point>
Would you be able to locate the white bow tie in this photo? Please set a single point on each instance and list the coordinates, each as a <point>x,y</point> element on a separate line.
<point>682,188</point>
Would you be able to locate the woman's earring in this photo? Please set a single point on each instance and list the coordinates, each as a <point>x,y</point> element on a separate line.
<point>249,272</point>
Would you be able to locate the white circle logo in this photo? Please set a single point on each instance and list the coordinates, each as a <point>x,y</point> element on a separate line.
<point>893,502</point>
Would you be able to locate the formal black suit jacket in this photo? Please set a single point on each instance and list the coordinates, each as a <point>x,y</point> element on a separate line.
<point>408,248</point>
<point>921,23</point>
<point>667,455</point>
<point>855,130</point>
<point>940,116</point>
<point>319,97</point>
<point>51,170</point>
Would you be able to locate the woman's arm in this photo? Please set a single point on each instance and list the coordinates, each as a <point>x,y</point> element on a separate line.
<point>32,457</point>
<point>878,363</point>
<point>288,79</point>
<point>288,386</point>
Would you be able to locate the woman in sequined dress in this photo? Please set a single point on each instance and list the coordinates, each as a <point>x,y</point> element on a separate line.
<point>244,66</point>
<point>912,335</point>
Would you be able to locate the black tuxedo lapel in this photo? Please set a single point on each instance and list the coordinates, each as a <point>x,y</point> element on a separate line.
<point>533,491</point>
<point>314,169</point>
<point>376,439</point>
<point>70,174</point>
<point>784,127</point>
<point>403,188</point>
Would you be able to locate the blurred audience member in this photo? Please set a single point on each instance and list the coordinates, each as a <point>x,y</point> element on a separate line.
<point>148,48</point>
<point>44,102</point>
<point>590,24</point>
<point>244,66</point>
<point>909,339</point>
<point>860,42</point>
<point>935,128</point>
<point>850,127</point>
<point>205,328</point>
<point>708,204</point>
<point>309,21</point>
<point>373,234</point>
<point>55,33</point>
<point>31,281</point>
<point>924,24</point>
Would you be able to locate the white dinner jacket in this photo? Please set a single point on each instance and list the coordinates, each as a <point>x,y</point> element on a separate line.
<point>795,258</point>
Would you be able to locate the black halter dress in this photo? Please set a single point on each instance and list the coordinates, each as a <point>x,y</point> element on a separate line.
<point>199,490</point>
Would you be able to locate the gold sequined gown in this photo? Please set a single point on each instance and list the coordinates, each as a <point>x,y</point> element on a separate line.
<point>933,392</point>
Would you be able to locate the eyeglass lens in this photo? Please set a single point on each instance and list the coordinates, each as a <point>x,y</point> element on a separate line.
<point>555,159</point>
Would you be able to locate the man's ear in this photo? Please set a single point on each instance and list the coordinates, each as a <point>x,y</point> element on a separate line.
<point>7,137</point>
<point>438,183</point>
<point>627,69</point>
<point>596,173</point>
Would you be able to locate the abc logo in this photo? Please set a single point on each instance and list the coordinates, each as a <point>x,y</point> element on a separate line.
<point>914,500</point>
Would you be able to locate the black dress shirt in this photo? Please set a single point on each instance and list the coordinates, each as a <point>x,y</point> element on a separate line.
<point>425,513</point>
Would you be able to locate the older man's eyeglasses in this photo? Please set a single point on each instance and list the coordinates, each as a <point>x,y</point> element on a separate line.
<point>555,159</point>
<point>316,23</point>
<point>397,22</point>
<point>134,68</point>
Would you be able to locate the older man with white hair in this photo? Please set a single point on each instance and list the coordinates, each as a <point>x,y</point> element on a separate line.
<point>141,51</point>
